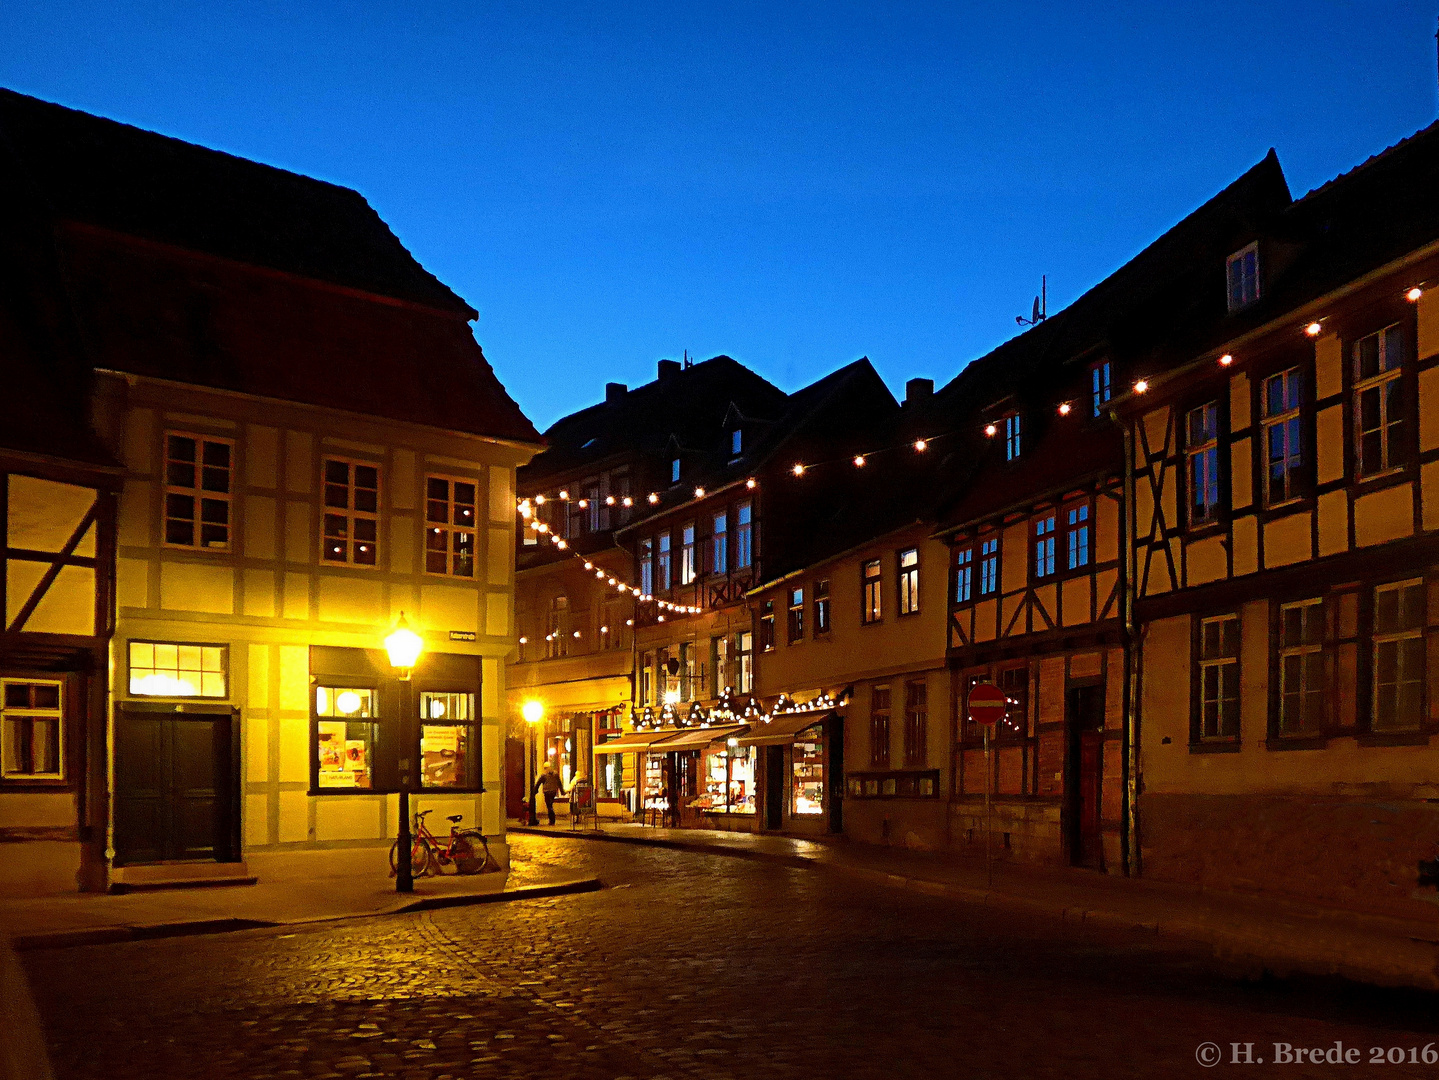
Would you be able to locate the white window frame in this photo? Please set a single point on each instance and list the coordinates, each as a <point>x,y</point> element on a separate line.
<point>1202,456</point>
<point>1226,710</point>
<point>21,713</point>
<point>1287,421</point>
<point>349,512</point>
<point>1379,384</point>
<point>1413,632</point>
<point>450,529</point>
<point>1300,649</point>
<point>908,572</point>
<point>1244,297</point>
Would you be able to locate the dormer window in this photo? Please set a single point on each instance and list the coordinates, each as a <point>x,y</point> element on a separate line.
<point>1243,276</point>
<point>736,442</point>
<point>675,471</point>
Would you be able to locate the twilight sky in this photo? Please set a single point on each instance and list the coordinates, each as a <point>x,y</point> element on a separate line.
<point>796,185</point>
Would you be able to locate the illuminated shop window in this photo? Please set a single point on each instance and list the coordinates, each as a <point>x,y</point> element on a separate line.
<point>447,740</point>
<point>808,797</point>
<point>345,737</point>
<point>169,669</point>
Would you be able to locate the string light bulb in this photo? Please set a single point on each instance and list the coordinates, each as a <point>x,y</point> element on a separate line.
<point>921,445</point>
<point>990,431</point>
<point>1414,294</point>
<point>539,500</point>
<point>1313,329</point>
<point>859,461</point>
<point>750,483</point>
<point>654,498</point>
<point>1064,408</point>
<point>1141,386</point>
<point>561,544</point>
<point>564,494</point>
<point>609,500</point>
<point>589,566</point>
<point>1226,360</point>
<point>627,501</point>
<point>584,504</point>
<point>798,469</point>
<point>699,493</point>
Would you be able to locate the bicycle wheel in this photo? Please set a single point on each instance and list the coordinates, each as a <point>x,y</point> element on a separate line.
<point>421,861</point>
<point>471,853</point>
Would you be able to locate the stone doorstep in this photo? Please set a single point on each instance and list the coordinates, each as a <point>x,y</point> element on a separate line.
<point>188,875</point>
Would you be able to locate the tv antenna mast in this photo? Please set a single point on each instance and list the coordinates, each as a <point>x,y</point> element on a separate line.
<point>1040,310</point>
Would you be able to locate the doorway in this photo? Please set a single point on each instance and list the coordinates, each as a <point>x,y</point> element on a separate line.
<point>516,796</point>
<point>773,787</point>
<point>1084,759</point>
<point>176,786</point>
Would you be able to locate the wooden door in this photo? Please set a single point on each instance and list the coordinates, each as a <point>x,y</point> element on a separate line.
<point>175,790</point>
<point>516,805</point>
<point>1084,717</point>
<point>773,787</point>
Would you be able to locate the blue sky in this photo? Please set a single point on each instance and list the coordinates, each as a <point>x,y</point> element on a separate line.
<point>795,185</point>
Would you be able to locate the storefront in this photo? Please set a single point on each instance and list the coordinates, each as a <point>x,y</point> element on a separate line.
<point>687,771</point>
<point>627,765</point>
<point>794,759</point>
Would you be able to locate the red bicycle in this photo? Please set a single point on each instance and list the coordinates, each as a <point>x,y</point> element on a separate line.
<point>466,850</point>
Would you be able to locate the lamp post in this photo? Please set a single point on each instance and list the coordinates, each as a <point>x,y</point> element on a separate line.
<point>533,712</point>
<point>404,646</point>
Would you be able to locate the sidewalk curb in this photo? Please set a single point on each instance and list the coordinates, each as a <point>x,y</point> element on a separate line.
<point>1413,963</point>
<point>109,935</point>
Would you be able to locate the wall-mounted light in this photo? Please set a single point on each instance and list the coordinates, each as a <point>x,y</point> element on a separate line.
<point>1414,294</point>
<point>1226,360</point>
<point>1141,386</point>
<point>921,445</point>
<point>1313,329</point>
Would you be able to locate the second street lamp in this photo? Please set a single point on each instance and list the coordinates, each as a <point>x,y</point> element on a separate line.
<point>403,646</point>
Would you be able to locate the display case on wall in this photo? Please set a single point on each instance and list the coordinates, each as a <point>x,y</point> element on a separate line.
<point>655,796</point>
<point>729,781</point>
<point>808,765</point>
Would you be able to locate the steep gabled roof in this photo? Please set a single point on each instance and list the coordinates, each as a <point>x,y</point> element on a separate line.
<point>115,176</point>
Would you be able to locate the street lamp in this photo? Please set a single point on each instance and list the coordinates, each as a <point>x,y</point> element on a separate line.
<point>533,711</point>
<point>404,646</point>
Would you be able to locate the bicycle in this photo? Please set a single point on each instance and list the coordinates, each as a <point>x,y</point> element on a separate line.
<point>466,850</point>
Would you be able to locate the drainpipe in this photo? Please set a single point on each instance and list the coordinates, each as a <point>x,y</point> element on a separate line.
<point>1132,862</point>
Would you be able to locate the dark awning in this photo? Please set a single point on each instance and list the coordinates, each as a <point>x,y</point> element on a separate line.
<point>783,729</point>
<point>697,738</point>
<point>634,741</point>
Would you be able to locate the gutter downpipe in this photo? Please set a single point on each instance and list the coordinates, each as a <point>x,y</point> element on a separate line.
<point>1133,866</point>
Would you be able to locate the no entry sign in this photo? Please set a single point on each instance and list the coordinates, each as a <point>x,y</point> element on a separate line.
<point>987,704</point>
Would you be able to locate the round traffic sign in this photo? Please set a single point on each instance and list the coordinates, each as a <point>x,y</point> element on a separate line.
<point>987,704</point>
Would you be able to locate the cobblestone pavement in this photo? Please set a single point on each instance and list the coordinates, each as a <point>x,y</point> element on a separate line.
<point>692,966</point>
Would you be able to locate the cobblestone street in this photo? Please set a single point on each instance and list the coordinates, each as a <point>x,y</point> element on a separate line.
<point>691,965</point>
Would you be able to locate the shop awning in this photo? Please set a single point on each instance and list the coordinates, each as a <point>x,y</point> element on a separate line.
<point>633,741</point>
<point>696,738</point>
<point>783,729</point>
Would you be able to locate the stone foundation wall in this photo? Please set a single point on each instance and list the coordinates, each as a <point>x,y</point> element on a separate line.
<point>1028,831</point>
<point>1358,852</point>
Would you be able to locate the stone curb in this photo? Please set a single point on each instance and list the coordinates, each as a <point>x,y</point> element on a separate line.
<point>1390,962</point>
<point>108,935</point>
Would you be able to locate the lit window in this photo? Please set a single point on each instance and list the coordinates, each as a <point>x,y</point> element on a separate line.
<point>675,471</point>
<point>662,564</point>
<point>744,662</point>
<point>909,581</point>
<point>1301,668</point>
<point>736,442</point>
<point>31,730</point>
<point>1076,534</point>
<point>1243,274</point>
<point>808,792</point>
<point>1012,437</point>
<point>766,626</point>
<point>916,724</point>
<point>796,615</point>
<point>821,606</point>
<point>963,575</point>
<point>1398,655</point>
<point>557,640</point>
<point>1219,677</point>
<point>448,741</point>
<point>197,491</point>
<point>1201,448</point>
<point>352,512</point>
<point>344,737</point>
<point>871,579</point>
<point>687,554</point>
<point>1379,401</point>
<point>170,669</point>
<point>450,526</point>
<point>1044,546</point>
<point>647,566</point>
<point>1100,390</point>
<point>988,566</point>
<point>719,543</point>
<point>744,537</point>
<point>1283,453</point>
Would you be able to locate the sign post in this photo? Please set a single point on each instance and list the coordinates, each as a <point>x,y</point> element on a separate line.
<point>987,706</point>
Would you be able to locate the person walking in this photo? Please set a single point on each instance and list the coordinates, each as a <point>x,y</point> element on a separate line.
<point>551,786</point>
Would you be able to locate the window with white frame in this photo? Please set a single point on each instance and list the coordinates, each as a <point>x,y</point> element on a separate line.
<point>1013,441</point>
<point>197,491</point>
<point>450,509</point>
<point>909,581</point>
<point>662,563</point>
<point>736,442</point>
<point>871,577</point>
<point>1380,404</point>
<point>1076,536</point>
<point>719,543</point>
<point>796,614</point>
<point>687,553</point>
<point>674,470</point>
<point>352,512</point>
<point>1100,387</point>
<point>1283,450</point>
<point>989,566</point>
<point>647,566</point>
<point>557,639</point>
<point>1044,546</point>
<point>174,669</point>
<point>821,607</point>
<point>744,536</point>
<point>744,662</point>
<point>1219,677</point>
<point>1242,271</point>
<point>1201,450</point>
<point>963,575</point>
<point>1398,656</point>
<point>1301,667</point>
<point>32,743</point>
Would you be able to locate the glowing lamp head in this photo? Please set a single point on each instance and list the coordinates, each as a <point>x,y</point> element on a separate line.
<point>699,493</point>
<point>609,500</point>
<point>990,431</point>
<point>750,483</point>
<point>1064,408</point>
<point>1414,294</point>
<point>627,501</point>
<point>654,498</point>
<point>539,500</point>
<point>859,461</point>
<point>1141,386</point>
<point>533,711</point>
<point>921,445</point>
<point>798,469</point>
<point>584,504</point>
<point>1313,329</point>
<point>672,697</point>
<point>1226,360</point>
<point>404,645</point>
<point>347,702</point>
<point>564,494</point>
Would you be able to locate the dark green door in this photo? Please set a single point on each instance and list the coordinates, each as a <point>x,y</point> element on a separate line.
<point>174,787</point>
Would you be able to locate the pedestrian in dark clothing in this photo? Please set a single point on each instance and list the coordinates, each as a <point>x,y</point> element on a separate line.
<point>550,784</point>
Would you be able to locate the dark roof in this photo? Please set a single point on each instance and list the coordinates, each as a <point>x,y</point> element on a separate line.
<point>686,407</point>
<point>150,309</point>
<point>105,173</point>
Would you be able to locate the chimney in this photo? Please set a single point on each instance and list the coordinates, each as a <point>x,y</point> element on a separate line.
<point>615,391</point>
<point>668,368</point>
<point>916,391</point>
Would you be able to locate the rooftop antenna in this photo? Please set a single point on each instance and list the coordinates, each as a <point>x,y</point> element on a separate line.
<point>687,361</point>
<point>1040,311</point>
